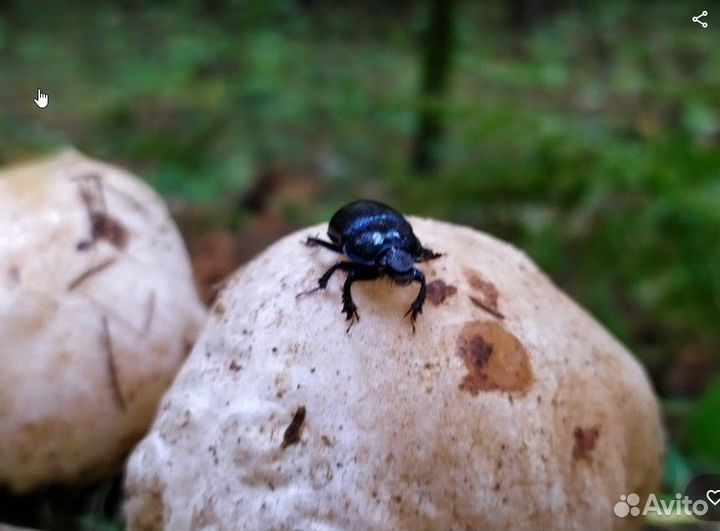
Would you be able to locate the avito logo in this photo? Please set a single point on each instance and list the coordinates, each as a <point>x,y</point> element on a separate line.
<point>680,505</point>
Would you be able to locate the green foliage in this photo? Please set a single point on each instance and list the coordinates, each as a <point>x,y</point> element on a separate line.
<point>677,471</point>
<point>592,142</point>
<point>703,436</point>
<point>91,508</point>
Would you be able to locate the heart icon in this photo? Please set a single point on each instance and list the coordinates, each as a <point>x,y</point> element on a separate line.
<point>713,496</point>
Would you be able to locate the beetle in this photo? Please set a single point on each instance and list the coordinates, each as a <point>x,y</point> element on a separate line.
<point>379,242</point>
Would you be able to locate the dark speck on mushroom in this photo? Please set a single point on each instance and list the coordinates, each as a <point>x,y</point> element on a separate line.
<point>13,275</point>
<point>292,433</point>
<point>495,359</point>
<point>438,291</point>
<point>219,309</point>
<point>488,295</point>
<point>585,440</point>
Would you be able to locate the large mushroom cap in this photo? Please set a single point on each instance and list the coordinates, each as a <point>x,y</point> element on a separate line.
<point>97,311</point>
<point>509,408</point>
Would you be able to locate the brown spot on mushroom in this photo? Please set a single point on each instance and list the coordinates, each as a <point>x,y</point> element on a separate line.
<point>234,366</point>
<point>438,291</point>
<point>292,433</point>
<point>102,225</point>
<point>495,359</point>
<point>488,289</point>
<point>585,440</point>
<point>488,299</point>
<point>219,309</point>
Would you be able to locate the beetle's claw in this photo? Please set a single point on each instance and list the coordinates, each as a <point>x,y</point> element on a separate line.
<point>429,254</point>
<point>413,311</point>
<point>348,307</point>
<point>308,292</point>
<point>351,314</point>
<point>312,241</point>
<point>353,317</point>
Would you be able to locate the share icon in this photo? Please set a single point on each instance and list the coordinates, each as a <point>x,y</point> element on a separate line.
<point>701,22</point>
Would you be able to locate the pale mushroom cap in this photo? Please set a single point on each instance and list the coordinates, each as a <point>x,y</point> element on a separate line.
<point>509,408</point>
<point>93,326</point>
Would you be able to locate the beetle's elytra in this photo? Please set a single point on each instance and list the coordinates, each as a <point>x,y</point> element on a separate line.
<point>378,242</point>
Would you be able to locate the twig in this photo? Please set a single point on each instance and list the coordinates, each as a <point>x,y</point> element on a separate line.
<point>106,342</point>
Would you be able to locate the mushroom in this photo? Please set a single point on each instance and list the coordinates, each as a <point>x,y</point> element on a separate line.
<point>97,312</point>
<point>508,408</point>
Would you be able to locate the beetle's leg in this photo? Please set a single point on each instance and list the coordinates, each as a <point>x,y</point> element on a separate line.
<point>323,280</point>
<point>357,273</point>
<point>417,305</point>
<point>428,254</point>
<point>314,242</point>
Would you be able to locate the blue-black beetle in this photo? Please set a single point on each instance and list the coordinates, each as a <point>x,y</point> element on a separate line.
<point>378,242</point>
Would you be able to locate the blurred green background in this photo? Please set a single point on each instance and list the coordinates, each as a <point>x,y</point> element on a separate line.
<point>586,133</point>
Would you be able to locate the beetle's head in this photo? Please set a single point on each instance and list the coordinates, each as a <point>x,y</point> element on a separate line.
<point>398,265</point>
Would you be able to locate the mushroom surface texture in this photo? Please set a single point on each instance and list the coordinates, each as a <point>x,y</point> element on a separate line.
<point>97,312</point>
<point>508,408</point>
